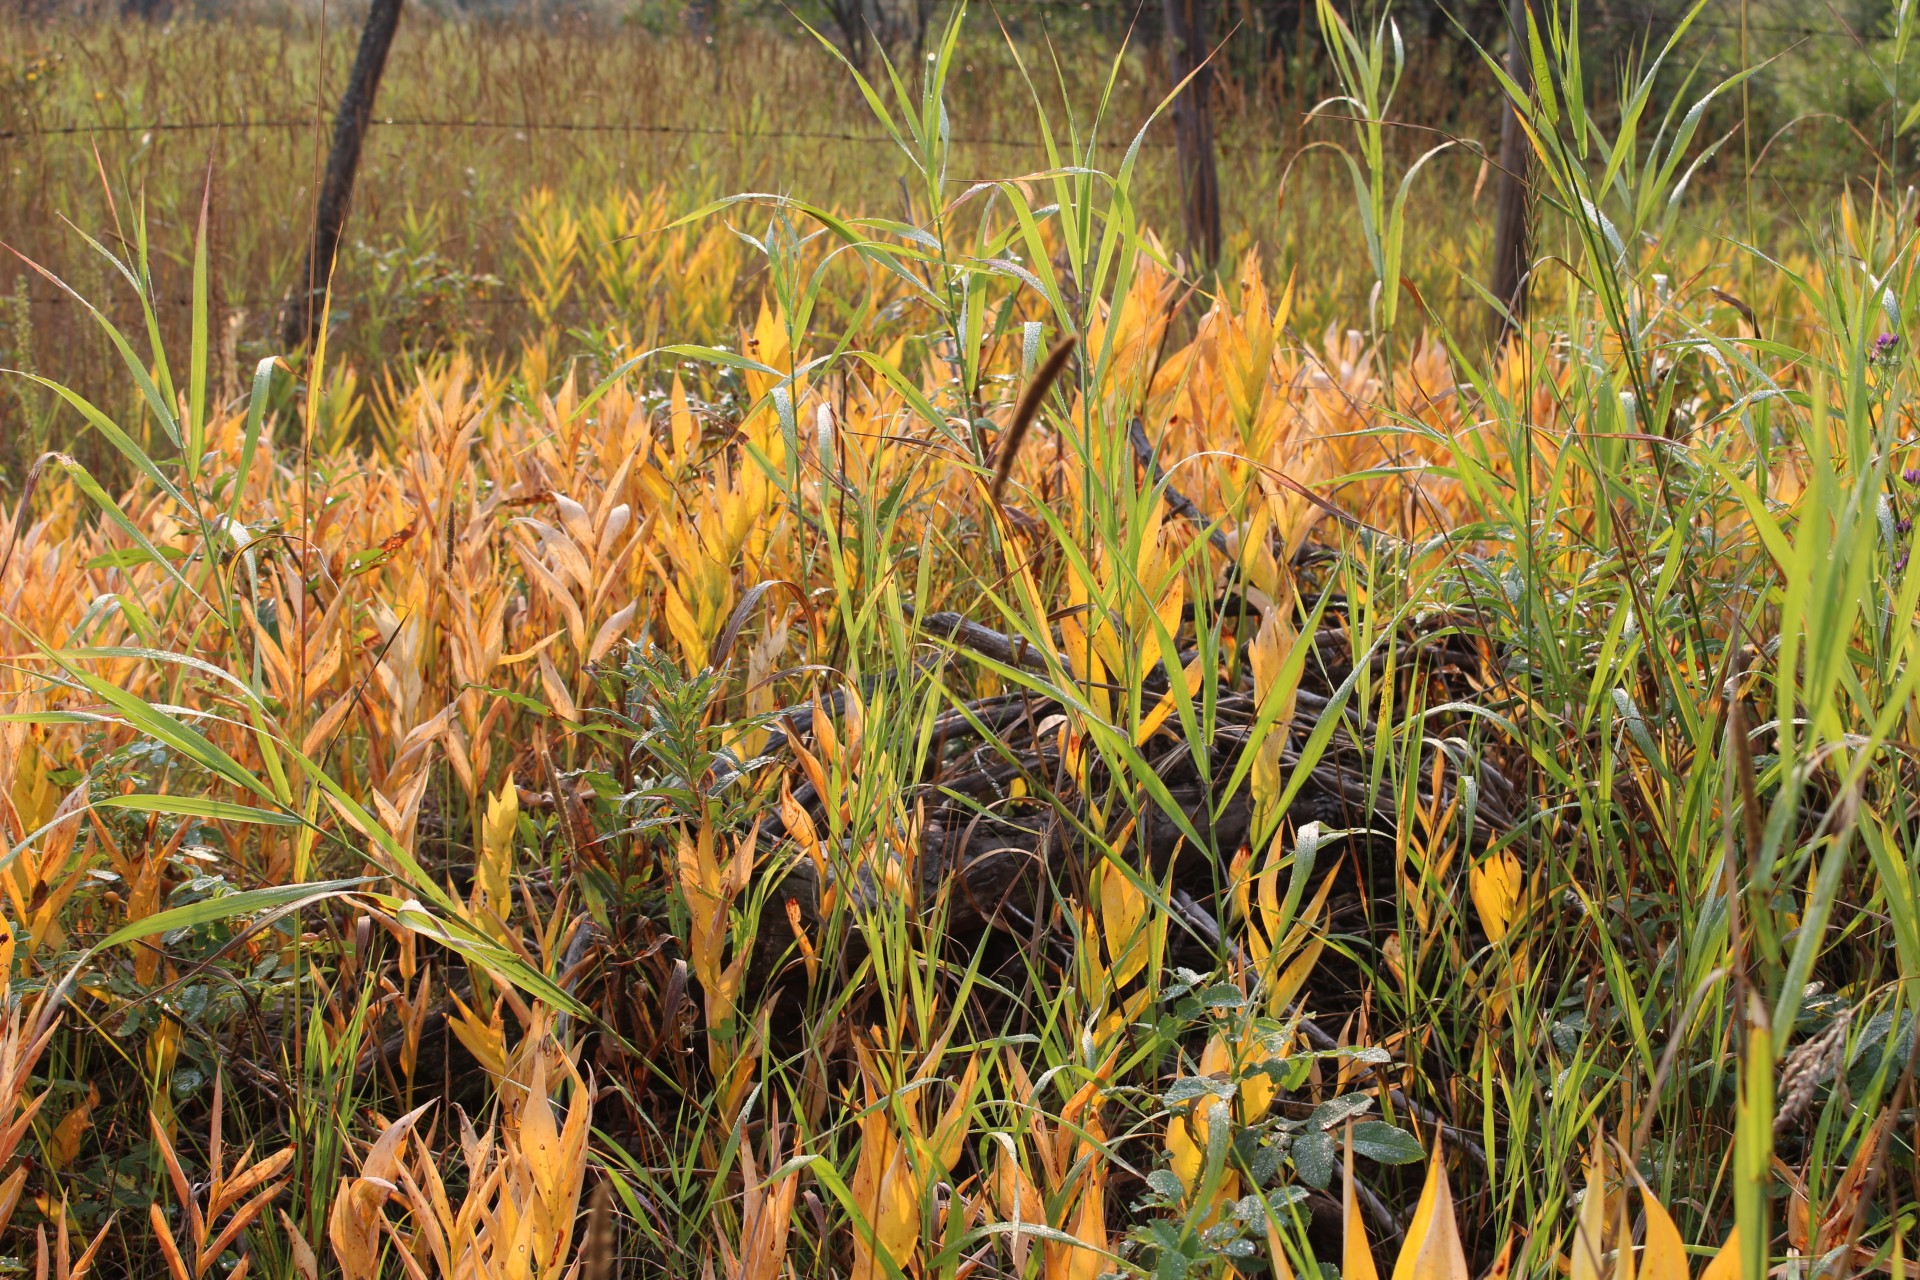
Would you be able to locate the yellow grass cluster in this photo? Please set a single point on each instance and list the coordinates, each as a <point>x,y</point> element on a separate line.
<point>411,597</point>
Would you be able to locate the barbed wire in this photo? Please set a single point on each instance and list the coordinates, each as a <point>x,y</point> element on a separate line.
<point>428,122</point>
<point>1114,142</point>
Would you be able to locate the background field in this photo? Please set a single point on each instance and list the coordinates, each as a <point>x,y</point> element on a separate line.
<point>624,120</point>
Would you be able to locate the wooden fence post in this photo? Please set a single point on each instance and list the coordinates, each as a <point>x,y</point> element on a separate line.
<point>1512,237</point>
<point>1187,28</point>
<point>304,301</point>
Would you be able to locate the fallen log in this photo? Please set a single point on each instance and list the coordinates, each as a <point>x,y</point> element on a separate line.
<point>1000,830</point>
<point>999,805</point>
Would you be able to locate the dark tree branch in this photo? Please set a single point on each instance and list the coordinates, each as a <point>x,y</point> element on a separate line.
<point>1188,22</point>
<point>1512,237</point>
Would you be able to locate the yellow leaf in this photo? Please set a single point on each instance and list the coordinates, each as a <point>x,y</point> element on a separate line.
<point>306,1264</point>
<point>354,1221</point>
<point>485,1039</point>
<point>883,1189</point>
<point>1239,892</point>
<point>1726,1263</point>
<point>854,713</point>
<point>800,828</point>
<point>176,1265</point>
<point>1268,654</point>
<point>1184,1153</point>
<point>1090,1261</point>
<point>1589,1233</point>
<point>1304,940</point>
<point>1396,957</point>
<point>1356,1258</point>
<point>492,895</point>
<point>1666,1254</point>
<point>1268,657</point>
<point>556,691</point>
<point>824,734</point>
<point>951,1133</point>
<point>1122,909</point>
<point>1623,1261</point>
<point>1295,976</point>
<point>10,1193</point>
<point>1018,1201</point>
<point>1502,1268</point>
<point>1187,1135</point>
<point>72,1127</point>
<point>883,1186</point>
<point>539,1135</point>
<point>1432,1250</point>
<point>1277,1253</point>
<point>1498,886</point>
<point>610,631</point>
<point>1256,1090</point>
<point>1261,568</point>
<point>1215,1061</point>
<point>686,432</point>
<point>685,628</point>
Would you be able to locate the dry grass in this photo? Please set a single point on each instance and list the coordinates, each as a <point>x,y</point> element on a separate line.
<point>435,254</point>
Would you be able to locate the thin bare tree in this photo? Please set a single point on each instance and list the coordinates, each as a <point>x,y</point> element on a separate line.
<point>1512,235</point>
<point>1188,24</point>
<point>306,299</point>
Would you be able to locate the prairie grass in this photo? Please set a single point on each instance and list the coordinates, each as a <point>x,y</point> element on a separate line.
<point>1011,759</point>
<point>436,257</point>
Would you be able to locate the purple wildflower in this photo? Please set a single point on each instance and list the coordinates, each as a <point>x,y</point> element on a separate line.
<point>1911,475</point>
<point>1903,525</point>
<point>1884,344</point>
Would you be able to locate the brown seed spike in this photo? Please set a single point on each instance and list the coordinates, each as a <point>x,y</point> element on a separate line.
<point>598,1251</point>
<point>20,513</point>
<point>1026,410</point>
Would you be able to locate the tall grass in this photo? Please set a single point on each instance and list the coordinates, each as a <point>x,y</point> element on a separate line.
<point>437,257</point>
<point>1012,760</point>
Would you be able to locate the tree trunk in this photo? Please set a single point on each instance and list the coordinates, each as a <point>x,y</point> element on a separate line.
<point>1512,237</point>
<point>851,17</point>
<point>1187,28</point>
<point>305,300</point>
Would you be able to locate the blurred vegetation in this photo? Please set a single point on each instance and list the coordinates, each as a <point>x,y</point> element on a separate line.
<point>643,102</point>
